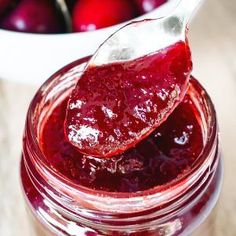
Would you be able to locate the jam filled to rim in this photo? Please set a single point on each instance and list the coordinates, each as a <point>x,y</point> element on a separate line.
<point>163,156</point>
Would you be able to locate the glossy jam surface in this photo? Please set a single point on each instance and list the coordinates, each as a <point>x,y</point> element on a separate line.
<point>114,107</point>
<point>160,158</point>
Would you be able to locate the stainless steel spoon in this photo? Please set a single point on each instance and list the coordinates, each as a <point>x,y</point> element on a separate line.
<point>144,37</point>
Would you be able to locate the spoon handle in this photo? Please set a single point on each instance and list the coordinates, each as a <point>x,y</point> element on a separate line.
<point>176,23</point>
<point>185,9</point>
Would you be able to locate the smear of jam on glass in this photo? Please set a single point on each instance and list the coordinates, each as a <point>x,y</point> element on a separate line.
<point>113,107</point>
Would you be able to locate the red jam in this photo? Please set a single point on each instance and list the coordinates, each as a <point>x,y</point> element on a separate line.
<point>163,156</point>
<point>115,106</point>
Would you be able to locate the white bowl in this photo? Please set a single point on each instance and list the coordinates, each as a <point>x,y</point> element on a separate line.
<point>32,58</point>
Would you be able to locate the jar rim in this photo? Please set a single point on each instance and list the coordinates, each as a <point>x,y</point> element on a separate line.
<point>159,192</point>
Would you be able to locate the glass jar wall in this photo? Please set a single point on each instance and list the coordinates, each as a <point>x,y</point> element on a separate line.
<point>59,206</point>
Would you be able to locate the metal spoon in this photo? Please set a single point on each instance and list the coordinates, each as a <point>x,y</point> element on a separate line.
<point>144,37</point>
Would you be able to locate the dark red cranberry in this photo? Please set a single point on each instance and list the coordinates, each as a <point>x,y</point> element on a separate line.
<point>115,106</point>
<point>95,14</point>
<point>5,5</point>
<point>34,16</point>
<point>145,6</point>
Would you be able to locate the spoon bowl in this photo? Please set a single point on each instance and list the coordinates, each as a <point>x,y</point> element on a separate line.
<point>141,38</point>
<point>131,85</point>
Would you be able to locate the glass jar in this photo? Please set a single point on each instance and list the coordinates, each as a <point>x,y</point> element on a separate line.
<point>57,206</point>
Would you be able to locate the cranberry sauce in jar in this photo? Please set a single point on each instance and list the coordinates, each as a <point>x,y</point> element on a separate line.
<point>168,184</point>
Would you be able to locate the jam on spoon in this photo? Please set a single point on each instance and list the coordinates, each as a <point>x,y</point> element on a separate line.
<point>115,106</point>
<point>131,84</point>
